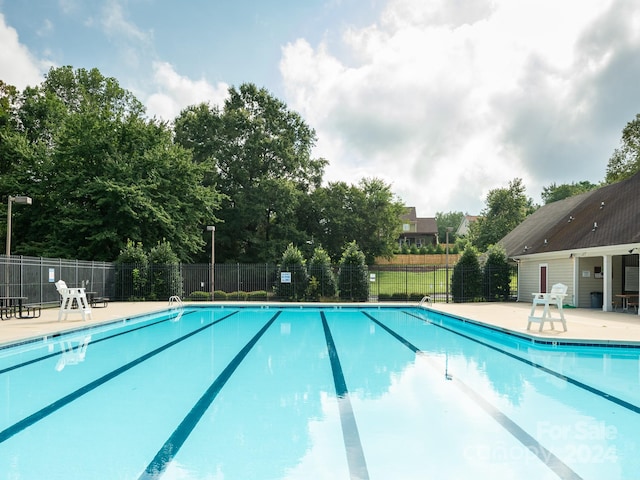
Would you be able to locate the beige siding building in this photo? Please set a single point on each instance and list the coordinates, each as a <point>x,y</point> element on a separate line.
<point>590,242</point>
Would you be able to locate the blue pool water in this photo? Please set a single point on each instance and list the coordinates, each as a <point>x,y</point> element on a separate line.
<point>315,393</point>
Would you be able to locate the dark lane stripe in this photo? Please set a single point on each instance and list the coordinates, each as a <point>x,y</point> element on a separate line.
<point>170,448</point>
<point>398,337</point>
<point>58,404</point>
<point>546,456</point>
<point>355,455</point>
<point>94,342</point>
<point>572,381</point>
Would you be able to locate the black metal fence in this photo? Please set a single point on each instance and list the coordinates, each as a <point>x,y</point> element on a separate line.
<point>34,278</point>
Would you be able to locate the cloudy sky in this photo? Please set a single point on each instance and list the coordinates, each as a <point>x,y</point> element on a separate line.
<point>443,99</point>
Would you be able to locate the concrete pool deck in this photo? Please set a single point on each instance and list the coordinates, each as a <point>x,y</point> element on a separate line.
<point>587,325</point>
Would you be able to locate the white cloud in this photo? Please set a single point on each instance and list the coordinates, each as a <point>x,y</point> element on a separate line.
<point>177,92</point>
<point>447,100</point>
<point>17,66</point>
<point>116,25</point>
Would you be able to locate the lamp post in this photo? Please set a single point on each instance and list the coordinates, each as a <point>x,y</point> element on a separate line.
<point>17,199</point>
<point>449,229</point>
<point>212,229</point>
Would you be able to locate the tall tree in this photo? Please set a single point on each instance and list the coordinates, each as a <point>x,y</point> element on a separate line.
<point>625,160</point>
<point>368,213</point>
<point>554,192</point>
<point>450,220</point>
<point>505,209</point>
<point>101,173</point>
<point>260,156</point>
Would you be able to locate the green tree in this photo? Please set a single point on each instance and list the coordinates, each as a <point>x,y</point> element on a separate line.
<point>466,280</point>
<point>554,192</point>
<point>259,156</point>
<point>367,213</point>
<point>378,219</point>
<point>294,263</point>
<point>505,209</point>
<point>450,220</point>
<point>353,281</point>
<point>496,275</point>
<point>625,160</point>
<point>320,270</point>
<point>100,173</point>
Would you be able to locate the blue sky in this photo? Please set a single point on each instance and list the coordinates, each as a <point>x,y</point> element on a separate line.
<point>443,99</point>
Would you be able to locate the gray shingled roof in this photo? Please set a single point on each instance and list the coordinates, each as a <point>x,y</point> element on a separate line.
<point>569,224</point>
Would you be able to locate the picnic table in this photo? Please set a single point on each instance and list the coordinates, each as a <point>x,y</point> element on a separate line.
<point>15,307</point>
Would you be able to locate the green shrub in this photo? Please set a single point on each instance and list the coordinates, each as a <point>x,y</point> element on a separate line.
<point>258,295</point>
<point>294,263</point>
<point>398,297</point>
<point>466,280</point>
<point>496,275</point>
<point>313,290</point>
<point>320,269</point>
<point>239,296</point>
<point>220,295</point>
<point>353,277</point>
<point>199,296</point>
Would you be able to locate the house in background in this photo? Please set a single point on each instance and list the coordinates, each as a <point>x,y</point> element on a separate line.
<point>463,228</point>
<point>417,231</point>
<point>589,242</point>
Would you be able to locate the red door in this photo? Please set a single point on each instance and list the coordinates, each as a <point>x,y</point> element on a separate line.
<point>543,279</point>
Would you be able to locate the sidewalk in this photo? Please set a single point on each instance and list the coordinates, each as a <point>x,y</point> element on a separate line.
<point>588,325</point>
<point>15,329</point>
<point>583,324</point>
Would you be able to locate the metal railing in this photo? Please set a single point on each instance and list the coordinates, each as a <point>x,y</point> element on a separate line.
<point>34,278</point>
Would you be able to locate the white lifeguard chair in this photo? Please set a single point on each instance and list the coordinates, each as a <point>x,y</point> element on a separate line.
<point>74,300</point>
<point>554,297</point>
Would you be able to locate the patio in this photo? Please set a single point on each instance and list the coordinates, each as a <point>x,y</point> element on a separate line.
<point>583,324</point>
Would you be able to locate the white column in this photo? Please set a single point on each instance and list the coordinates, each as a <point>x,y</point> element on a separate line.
<point>607,274</point>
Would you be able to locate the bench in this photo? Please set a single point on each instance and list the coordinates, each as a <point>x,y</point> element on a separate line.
<point>99,302</point>
<point>31,311</point>
<point>554,297</point>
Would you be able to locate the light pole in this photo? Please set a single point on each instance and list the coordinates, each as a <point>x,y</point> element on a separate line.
<point>212,229</point>
<point>449,229</point>
<point>17,199</point>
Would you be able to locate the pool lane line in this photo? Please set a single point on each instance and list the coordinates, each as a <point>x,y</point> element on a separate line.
<point>612,398</point>
<point>355,455</point>
<point>547,457</point>
<point>169,450</point>
<point>26,422</point>
<point>60,338</point>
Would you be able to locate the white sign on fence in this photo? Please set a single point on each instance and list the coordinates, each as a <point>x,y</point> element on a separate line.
<point>285,277</point>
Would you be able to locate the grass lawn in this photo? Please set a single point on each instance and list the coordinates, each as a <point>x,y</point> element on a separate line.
<point>388,283</point>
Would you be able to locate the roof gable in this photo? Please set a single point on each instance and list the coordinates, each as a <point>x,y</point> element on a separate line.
<point>609,215</point>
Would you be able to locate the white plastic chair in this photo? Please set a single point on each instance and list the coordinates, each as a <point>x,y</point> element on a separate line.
<point>69,296</point>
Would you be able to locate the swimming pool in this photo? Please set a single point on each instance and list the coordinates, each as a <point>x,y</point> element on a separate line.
<point>314,393</point>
